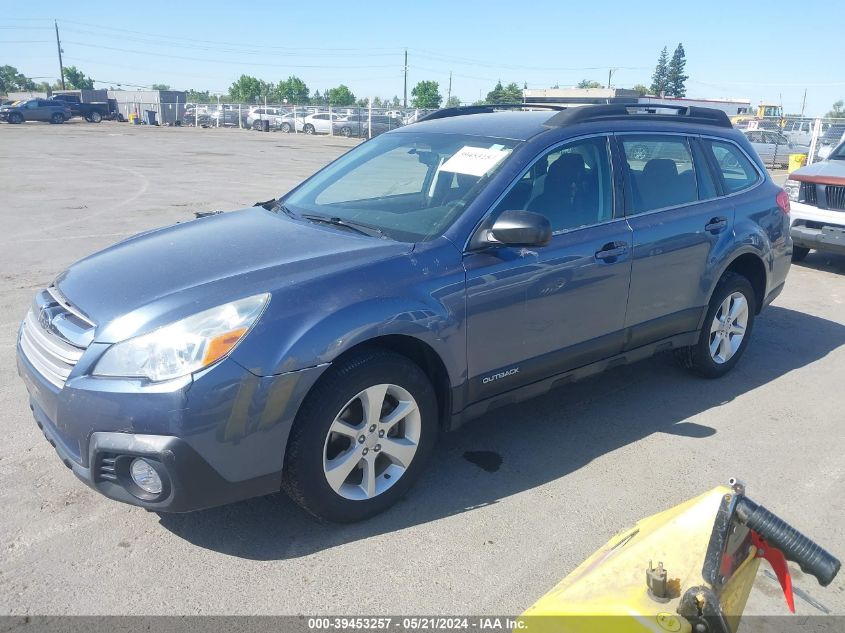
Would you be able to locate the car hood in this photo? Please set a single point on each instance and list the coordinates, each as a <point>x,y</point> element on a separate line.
<point>826,171</point>
<point>162,275</point>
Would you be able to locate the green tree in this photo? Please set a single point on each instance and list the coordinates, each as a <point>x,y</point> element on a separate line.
<point>588,83</point>
<point>511,93</point>
<point>675,77</point>
<point>660,78</point>
<point>377,102</point>
<point>426,94</point>
<point>197,96</point>
<point>453,102</point>
<point>76,79</point>
<point>340,96</point>
<point>11,80</point>
<point>838,111</point>
<point>160,87</point>
<point>247,89</point>
<point>293,89</point>
<point>395,102</point>
<point>640,90</point>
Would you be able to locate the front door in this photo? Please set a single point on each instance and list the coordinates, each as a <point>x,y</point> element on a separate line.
<point>536,312</point>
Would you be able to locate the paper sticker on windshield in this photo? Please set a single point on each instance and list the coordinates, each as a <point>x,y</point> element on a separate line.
<point>474,161</point>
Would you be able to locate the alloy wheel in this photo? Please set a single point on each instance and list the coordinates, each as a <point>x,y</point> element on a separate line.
<point>728,327</point>
<point>372,442</point>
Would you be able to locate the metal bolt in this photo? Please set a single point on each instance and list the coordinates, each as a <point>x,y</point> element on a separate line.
<point>372,428</point>
<point>361,439</point>
<point>377,448</point>
<point>381,433</point>
<point>366,450</point>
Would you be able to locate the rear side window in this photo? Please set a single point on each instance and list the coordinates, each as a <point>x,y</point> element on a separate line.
<point>661,172</point>
<point>735,170</point>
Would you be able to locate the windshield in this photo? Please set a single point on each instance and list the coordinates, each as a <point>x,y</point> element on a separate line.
<point>838,153</point>
<point>409,186</point>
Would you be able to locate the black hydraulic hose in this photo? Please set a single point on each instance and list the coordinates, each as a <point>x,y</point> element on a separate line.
<point>811,557</point>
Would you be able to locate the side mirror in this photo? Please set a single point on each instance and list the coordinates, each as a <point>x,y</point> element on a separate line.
<point>522,228</point>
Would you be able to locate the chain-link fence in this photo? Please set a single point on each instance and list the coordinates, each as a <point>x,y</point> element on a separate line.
<point>358,122</point>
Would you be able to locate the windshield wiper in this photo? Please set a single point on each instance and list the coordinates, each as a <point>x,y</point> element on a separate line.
<point>363,229</point>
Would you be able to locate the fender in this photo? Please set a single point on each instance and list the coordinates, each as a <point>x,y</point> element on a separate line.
<point>420,294</point>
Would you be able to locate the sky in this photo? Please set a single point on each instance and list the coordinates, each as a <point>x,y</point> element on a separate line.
<point>734,50</point>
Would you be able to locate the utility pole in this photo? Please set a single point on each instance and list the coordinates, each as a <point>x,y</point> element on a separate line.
<point>610,72</point>
<point>803,103</point>
<point>59,47</point>
<point>449,92</point>
<point>405,97</point>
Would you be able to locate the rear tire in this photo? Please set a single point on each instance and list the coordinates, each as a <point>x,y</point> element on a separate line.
<point>57,118</point>
<point>286,128</point>
<point>799,253</point>
<point>726,329</point>
<point>309,129</point>
<point>15,117</point>
<point>383,455</point>
<point>96,117</point>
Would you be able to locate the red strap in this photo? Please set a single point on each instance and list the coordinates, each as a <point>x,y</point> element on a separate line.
<point>778,562</point>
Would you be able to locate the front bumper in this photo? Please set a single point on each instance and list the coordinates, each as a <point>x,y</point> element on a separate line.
<point>821,229</point>
<point>217,438</point>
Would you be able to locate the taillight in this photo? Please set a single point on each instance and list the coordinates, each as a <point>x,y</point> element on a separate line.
<point>782,200</point>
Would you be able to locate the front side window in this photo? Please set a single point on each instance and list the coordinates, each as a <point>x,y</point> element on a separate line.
<point>410,186</point>
<point>735,170</point>
<point>660,172</point>
<point>571,186</point>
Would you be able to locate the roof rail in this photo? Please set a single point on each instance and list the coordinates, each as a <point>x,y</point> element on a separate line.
<point>487,108</point>
<point>639,111</point>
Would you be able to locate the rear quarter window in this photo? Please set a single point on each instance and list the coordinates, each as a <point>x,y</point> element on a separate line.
<point>735,170</point>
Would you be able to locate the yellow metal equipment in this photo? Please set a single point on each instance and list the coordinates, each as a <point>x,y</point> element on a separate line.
<point>690,568</point>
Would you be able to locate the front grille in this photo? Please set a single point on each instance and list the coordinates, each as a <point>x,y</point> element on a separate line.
<point>808,193</point>
<point>54,336</point>
<point>835,197</point>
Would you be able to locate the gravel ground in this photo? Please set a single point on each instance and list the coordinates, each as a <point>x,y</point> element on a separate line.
<point>578,465</point>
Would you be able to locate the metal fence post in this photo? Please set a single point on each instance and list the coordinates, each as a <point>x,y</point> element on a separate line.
<point>370,120</point>
<point>817,128</point>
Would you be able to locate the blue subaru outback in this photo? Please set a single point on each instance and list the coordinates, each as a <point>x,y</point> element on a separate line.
<point>318,343</point>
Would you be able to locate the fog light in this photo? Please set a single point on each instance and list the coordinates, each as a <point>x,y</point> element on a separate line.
<point>145,476</point>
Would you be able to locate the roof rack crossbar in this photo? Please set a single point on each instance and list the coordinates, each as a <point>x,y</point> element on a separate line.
<point>487,108</point>
<point>639,111</point>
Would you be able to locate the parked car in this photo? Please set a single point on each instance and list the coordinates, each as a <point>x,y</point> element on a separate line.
<point>35,110</point>
<point>92,112</point>
<point>773,147</point>
<point>817,193</point>
<point>834,135</point>
<point>360,124</point>
<point>319,123</point>
<point>800,131</point>
<point>320,342</point>
<point>290,121</point>
<point>262,114</point>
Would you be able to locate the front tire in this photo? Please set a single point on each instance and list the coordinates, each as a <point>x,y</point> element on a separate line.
<point>15,117</point>
<point>799,253</point>
<point>96,117</point>
<point>57,118</point>
<point>361,438</point>
<point>726,330</point>
<point>309,129</point>
<point>286,128</point>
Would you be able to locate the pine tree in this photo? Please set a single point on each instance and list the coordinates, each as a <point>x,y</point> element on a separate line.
<point>659,80</point>
<point>676,79</point>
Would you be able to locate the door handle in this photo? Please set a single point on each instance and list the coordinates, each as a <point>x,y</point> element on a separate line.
<point>716,225</point>
<point>611,251</point>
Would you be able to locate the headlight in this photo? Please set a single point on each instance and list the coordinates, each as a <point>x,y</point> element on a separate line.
<point>792,187</point>
<point>185,346</point>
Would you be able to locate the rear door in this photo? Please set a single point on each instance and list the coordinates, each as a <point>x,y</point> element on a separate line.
<point>678,223</point>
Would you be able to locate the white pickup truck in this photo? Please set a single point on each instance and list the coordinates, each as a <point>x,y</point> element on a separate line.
<point>817,200</point>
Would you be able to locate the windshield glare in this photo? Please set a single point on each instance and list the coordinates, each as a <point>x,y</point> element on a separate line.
<point>839,152</point>
<point>410,186</point>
